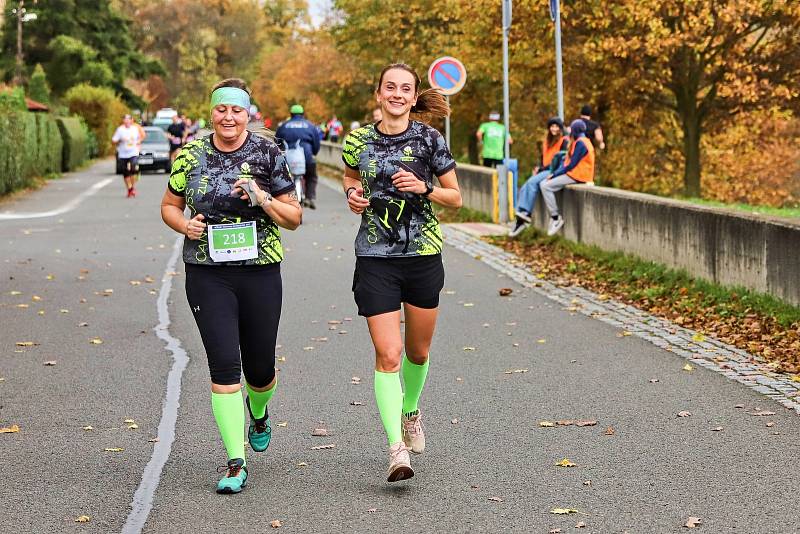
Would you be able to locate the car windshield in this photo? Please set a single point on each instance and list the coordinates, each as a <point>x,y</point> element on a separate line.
<point>155,135</point>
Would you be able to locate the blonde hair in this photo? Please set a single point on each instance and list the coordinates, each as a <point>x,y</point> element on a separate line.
<point>430,102</point>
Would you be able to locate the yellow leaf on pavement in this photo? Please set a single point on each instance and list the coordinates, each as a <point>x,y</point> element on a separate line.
<point>36,298</point>
<point>96,341</point>
<point>546,424</point>
<point>26,343</point>
<point>795,378</point>
<point>88,427</point>
<point>9,430</point>
<point>15,293</point>
<point>113,449</point>
<point>83,519</point>
<point>565,463</point>
<point>698,337</point>
<point>688,367</point>
<point>563,511</point>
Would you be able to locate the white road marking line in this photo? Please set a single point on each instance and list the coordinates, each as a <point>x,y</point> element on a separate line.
<point>69,206</point>
<point>143,498</point>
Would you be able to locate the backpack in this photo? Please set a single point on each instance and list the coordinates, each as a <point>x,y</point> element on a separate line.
<point>295,158</point>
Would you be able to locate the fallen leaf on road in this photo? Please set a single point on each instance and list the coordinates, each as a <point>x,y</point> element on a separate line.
<point>609,431</point>
<point>506,291</point>
<point>83,519</point>
<point>15,293</point>
<point>693,522</point>
<point>624,333</point>
<point>40,312</point>
<point>495,499</point>
<point>546,424</point>
<point>63,310</point>
<point>565,422</point>
<point>684,413</point>
<point>319,432</point>
<point>334,321</point>
<point>282,423</point>
<point>468,304</point>
<point>563,511</point>
<point>133,426</point>
<point>739,406</point>
<point>302,464</point>
<point>717,429</point>
<point>281,358</point>
<point>107,292</point>
<point>454,421</point>
<point>698,337</point>
<point>762,413</point>
<point>22,306</point>
<point>276,524</point>
<point>770,424</point>
<point>153,440</point>
<point>469,348</point>
<point>565,463</point>
<point>541,341</point>
<point>149,279</point>
<point>580,525</point>
<point>321,447</point>
<point>653,380</point>
<point>9,430</point>
<point>356,403</point>
<point>585,423</point>
<point>795,378</point>
<point>587,482</point>
<point>554,531</point>
<point>113,449</point>
<point>50,277</point>
<point>342,332</point>
<point>688,367</point>
<point>96,341</point>
<point>308,348</point>
<point>135,282</point>
<point>26,343</point>
<point>50,363</point>
<point>355,380</point>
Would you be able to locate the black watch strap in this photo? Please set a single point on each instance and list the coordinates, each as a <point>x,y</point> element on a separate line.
<point>347,193</point>
<point>428,189</point>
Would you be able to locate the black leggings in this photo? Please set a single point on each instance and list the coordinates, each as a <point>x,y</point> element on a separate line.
<point>237,310</point>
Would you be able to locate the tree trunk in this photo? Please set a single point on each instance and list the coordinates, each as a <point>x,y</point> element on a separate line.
<point>691,153</point>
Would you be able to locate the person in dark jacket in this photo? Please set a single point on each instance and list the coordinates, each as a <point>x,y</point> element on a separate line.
<point>299,128</point>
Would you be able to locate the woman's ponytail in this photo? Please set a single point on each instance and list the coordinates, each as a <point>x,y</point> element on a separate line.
<point>432,103</point>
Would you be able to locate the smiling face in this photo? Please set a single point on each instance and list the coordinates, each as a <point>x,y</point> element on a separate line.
<point>229,121</point>
<point>397,92</point>
<point>555,129</point>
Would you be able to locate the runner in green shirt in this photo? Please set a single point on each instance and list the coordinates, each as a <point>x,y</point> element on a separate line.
<point>492,135</point>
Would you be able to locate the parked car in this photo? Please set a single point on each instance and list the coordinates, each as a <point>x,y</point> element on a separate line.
<point>154,154</point>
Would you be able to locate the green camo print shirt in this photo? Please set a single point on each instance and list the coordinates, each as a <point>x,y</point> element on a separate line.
<point>205,176</point>
<point>395,223</point>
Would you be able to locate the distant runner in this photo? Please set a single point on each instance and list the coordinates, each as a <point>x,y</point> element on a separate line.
<point>389,181</point>
<point>176,132</point>
<point>232,253</point>
<point>298,128</point>
<point>492,135</point>
<point>128,139</point>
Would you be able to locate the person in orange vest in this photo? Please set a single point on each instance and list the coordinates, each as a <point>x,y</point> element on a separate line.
<point>554,149</point>
<point>578,168</point>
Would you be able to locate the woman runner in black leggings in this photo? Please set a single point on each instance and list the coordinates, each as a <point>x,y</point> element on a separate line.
<point>238,191</point>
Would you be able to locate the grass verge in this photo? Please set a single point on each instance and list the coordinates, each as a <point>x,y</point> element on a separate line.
<point>460,215</point>
<point>763,210</point>
<point>757,323</point>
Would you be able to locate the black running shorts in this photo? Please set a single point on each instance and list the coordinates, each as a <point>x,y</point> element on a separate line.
<point>381,284</point>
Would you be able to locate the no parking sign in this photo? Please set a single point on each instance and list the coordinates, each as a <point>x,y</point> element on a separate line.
<point>448,75</point>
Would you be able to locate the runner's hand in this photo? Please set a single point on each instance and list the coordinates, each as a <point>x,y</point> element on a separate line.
<point>238,191</point>
<point>195,227</point>
<point>356,201</point>
<point>408,183</point>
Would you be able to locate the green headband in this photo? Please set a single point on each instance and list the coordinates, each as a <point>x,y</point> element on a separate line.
<point>231,96</point>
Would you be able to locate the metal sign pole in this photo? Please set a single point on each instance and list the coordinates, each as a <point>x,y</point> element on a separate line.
<point>502,170</point>
<point>447,124</point>
<point>559,74</point>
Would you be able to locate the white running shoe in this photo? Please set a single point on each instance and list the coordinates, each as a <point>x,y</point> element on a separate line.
<point>399,463</point>
<point>555,225</point>
<point>524,216</point>
<point>413,435</point>
<point>518,228</point>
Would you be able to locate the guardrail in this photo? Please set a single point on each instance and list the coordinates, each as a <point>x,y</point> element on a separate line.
<point>724,246</point>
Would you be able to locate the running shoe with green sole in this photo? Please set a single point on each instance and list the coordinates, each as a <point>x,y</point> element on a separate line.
<point>259,433</point>
<point>235,477</point>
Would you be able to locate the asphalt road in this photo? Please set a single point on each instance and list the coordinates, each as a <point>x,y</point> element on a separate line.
<point>488,467</point>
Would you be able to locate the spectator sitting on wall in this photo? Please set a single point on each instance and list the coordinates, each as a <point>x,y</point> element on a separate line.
<point>578,167</point>
<point>554,149</point>
<point>492,135</point>
<point>594,132</point>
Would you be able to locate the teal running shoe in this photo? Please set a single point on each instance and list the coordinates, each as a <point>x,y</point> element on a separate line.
<point>260,432</point>
<point>235,477</point>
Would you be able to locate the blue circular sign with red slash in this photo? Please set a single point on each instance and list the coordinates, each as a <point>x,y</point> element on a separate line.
<point>448,75</point>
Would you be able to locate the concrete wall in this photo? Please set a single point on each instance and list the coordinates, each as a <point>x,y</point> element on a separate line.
<point>724,246</point>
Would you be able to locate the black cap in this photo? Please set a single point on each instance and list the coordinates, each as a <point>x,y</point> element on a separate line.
<point>555,120</point>
<point>586,110</point>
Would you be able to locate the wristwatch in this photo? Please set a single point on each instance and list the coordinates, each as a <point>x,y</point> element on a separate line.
<point>428,189</point>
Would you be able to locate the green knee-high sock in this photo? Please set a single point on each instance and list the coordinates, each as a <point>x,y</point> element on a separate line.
<point>414,376</point>
<point>260,399</point>
<point>229,413</point>
<point>389,396</point>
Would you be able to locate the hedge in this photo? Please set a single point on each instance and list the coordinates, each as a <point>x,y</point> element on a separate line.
<point>76,142</point>
<point>102,110</point>
<point>30,146</point>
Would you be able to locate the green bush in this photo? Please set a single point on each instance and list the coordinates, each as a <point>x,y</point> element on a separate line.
<point>76,142</point>
<point>30,146</point>
<point>37,87</point>
<point>12,100</point>
<point>101,109</point>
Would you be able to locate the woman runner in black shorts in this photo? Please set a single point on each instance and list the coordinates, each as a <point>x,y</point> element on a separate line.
<point>389,181</point>
<point>232,253</point>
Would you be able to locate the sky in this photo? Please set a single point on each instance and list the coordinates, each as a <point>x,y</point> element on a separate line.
<point>317,9</point>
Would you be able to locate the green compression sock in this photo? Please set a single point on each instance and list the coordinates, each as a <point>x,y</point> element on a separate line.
<point>389,396</point>
<point>414,376</point>
<point>260,399</point>
<point>229,413</point>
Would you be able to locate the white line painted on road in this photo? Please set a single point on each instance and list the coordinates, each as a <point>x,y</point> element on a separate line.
<point>143,498</point>
<point>69,206</point>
